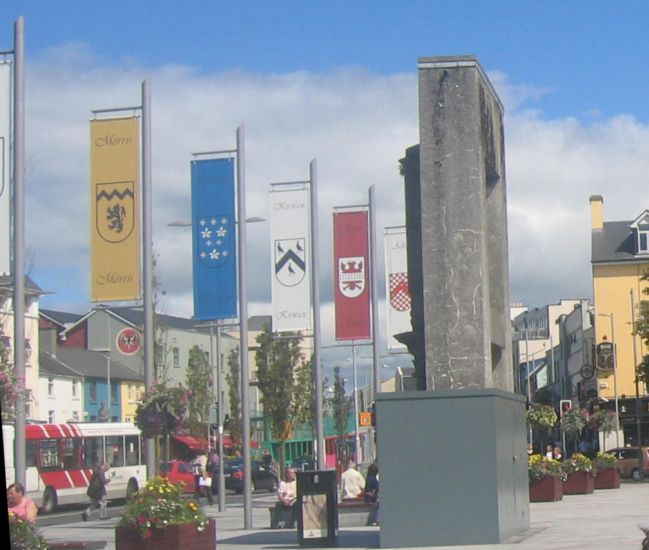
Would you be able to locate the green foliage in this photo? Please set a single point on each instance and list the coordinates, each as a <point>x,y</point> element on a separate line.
<point>577,463</point>
<point>10,389</point>
<point>162,411</point>
<point>540,466</point>
<point>340,403</point>
<point>199,382</point>
<point>541,416</point>
<point>234,394</point>
<point>24,536</point>
<point>160,504</point>
<point>603,420</point>
<point>284,383</point>
<point>574,421</point>
<point>605,461</point>
<point>641,328</point>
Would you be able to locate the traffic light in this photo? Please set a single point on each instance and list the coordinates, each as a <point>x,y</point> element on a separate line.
<point>565,405</point>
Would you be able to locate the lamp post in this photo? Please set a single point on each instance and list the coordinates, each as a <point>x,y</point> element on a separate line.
<point>611,318</point>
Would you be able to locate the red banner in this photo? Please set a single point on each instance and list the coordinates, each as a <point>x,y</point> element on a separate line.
<point>352,275</point>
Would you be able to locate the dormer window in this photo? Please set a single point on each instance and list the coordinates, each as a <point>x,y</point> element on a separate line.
<point>640,227</point>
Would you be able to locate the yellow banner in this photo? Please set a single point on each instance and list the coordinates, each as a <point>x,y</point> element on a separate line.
<point>114,210</point>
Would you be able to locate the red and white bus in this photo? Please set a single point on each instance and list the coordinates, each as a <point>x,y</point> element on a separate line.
<point>60,459</point>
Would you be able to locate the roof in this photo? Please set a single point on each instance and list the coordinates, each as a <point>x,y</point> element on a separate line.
<point>614,243</point>
<point>92,364</point>
<point>6,281</point>
<point>61,318</point>
<point>49,364</point>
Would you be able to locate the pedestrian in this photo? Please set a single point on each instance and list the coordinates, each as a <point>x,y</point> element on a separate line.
<point>352,482</point>
<point>199,469</point>
<point>213,468</point>
<point>20,505</point>
<point>97,492</point>
<point>556,453</point>
<point>548,451</point>
<point>372,493</point>
<point>287,495</point>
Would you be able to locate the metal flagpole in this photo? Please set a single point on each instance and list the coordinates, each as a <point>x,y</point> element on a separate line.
<point>243,320</point>
<point>147,252</point>
<point>315,296</point>
<point>19,244</point>
<point>219,417</point>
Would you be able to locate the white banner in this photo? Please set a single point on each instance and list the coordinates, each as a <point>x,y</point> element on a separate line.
<point>5,165</point>
<point>290,258</point>
<point>397,301</point>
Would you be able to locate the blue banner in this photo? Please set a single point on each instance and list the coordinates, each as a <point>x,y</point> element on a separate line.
<point>214,239</point>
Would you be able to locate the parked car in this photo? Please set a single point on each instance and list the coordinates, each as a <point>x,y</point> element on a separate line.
<point>177,470</point>
<point>628,457</point>
<point>303,463</point>
<point>261,478</point>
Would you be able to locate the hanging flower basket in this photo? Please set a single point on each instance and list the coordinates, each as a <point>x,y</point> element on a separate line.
<point>162,411</point>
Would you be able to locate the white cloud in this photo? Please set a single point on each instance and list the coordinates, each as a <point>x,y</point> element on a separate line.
<point>355,123</point>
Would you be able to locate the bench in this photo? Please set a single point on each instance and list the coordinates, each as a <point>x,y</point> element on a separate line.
<point>355,512</point>
<point>281,518</point>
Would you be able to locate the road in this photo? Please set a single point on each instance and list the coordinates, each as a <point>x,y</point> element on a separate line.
<point>71,513</point>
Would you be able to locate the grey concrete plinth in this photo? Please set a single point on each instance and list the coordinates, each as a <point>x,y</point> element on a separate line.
<point>453,467</point>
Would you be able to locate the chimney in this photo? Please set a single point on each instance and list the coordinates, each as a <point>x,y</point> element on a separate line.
<point>596,212</point>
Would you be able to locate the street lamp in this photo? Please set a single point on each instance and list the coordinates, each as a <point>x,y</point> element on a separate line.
<point>611,317</point>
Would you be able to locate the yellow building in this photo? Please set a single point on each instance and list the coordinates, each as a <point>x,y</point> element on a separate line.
<point>620,256</point>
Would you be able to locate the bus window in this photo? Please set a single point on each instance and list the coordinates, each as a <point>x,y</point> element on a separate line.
<point>93,451</point>
<point>132,450</point>
<point>115,450</point>
<point>70,452</point>
<point>31,454</point>
<point>50,454</point>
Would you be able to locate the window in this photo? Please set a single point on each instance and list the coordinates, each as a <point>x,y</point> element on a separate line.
<point>132,450</point>
<point>75,416</point>
<point>50,417</point>
<point>114,388</point>
<point>93,392</point>
<point>70,453</point>
<point>643,238</point>
<point>176,356</point>
<point>75,389</point>
<point>49,454</point>
<point>132,393</point>
<point>30,454</point>
<point>115,450</point>
<point>93,451</point>
<point>50,387</point>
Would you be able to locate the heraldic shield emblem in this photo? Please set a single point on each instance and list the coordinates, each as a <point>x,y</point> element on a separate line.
<point>399,292</point>
<point>351,276</point>
<point>290,261</point>
<point>115,204</point>
<point>213,239</point>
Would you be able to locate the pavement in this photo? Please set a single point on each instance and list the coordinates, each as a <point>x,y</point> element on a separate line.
<point>606,520</point>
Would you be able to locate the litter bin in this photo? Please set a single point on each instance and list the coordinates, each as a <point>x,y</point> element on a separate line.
<point>317,508</point>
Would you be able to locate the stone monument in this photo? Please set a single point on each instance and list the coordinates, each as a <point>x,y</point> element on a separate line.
<point>458,473</point>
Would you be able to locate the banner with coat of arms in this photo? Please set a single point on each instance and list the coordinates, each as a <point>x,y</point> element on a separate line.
<point>398,293</point>
<point>290,224</point>
<point>115,210</point>
<point>214,255</point>
<point>352,275</point>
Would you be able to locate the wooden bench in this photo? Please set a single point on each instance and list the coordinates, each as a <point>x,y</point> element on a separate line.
<point>355,512</point>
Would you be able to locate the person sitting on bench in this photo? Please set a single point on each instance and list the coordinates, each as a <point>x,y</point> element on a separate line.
<point>287,495</point>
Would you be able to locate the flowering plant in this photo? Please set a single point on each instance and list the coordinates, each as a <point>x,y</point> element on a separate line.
<point>541,416</point>
<point>158,505</point>
<point>540,466</point>
<point>162,410</point>
<point>577,463</point>
<point>23,535</point>
<point>605,461</point>
<point>10,388</point>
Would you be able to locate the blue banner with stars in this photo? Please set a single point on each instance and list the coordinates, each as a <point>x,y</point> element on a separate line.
<point>214,239</point>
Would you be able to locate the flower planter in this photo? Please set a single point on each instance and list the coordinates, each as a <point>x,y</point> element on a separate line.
<point>174,537</point>
<point>607,479</point>
<point>579,483</point>
<point>546,489</point>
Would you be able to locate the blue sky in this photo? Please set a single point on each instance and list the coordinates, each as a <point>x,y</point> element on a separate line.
<point>334,81</point>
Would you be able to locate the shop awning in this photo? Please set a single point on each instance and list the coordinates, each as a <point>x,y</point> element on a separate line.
<point>193,443</point>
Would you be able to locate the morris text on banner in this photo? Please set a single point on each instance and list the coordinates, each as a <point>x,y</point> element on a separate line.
<point>5,165</point>
<point>114,209</point>
<point>351,275</point>
<point>214,255</point>
<point>290,259</point>
<point>398,303</point>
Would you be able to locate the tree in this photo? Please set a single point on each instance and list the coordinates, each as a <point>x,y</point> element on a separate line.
<point>234,394</point>
<point>285,384</point>
<point>341,404</point>
<point>199,380</point>
<point>641,328</point>
<point>9,387</point>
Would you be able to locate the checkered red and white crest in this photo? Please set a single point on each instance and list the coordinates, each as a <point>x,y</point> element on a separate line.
<point>399,292</point>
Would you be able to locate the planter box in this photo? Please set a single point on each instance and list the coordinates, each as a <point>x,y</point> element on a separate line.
<point>608,479</point>
<point>579,483</point>
<point>546,489</point>
<point>174,537</point>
